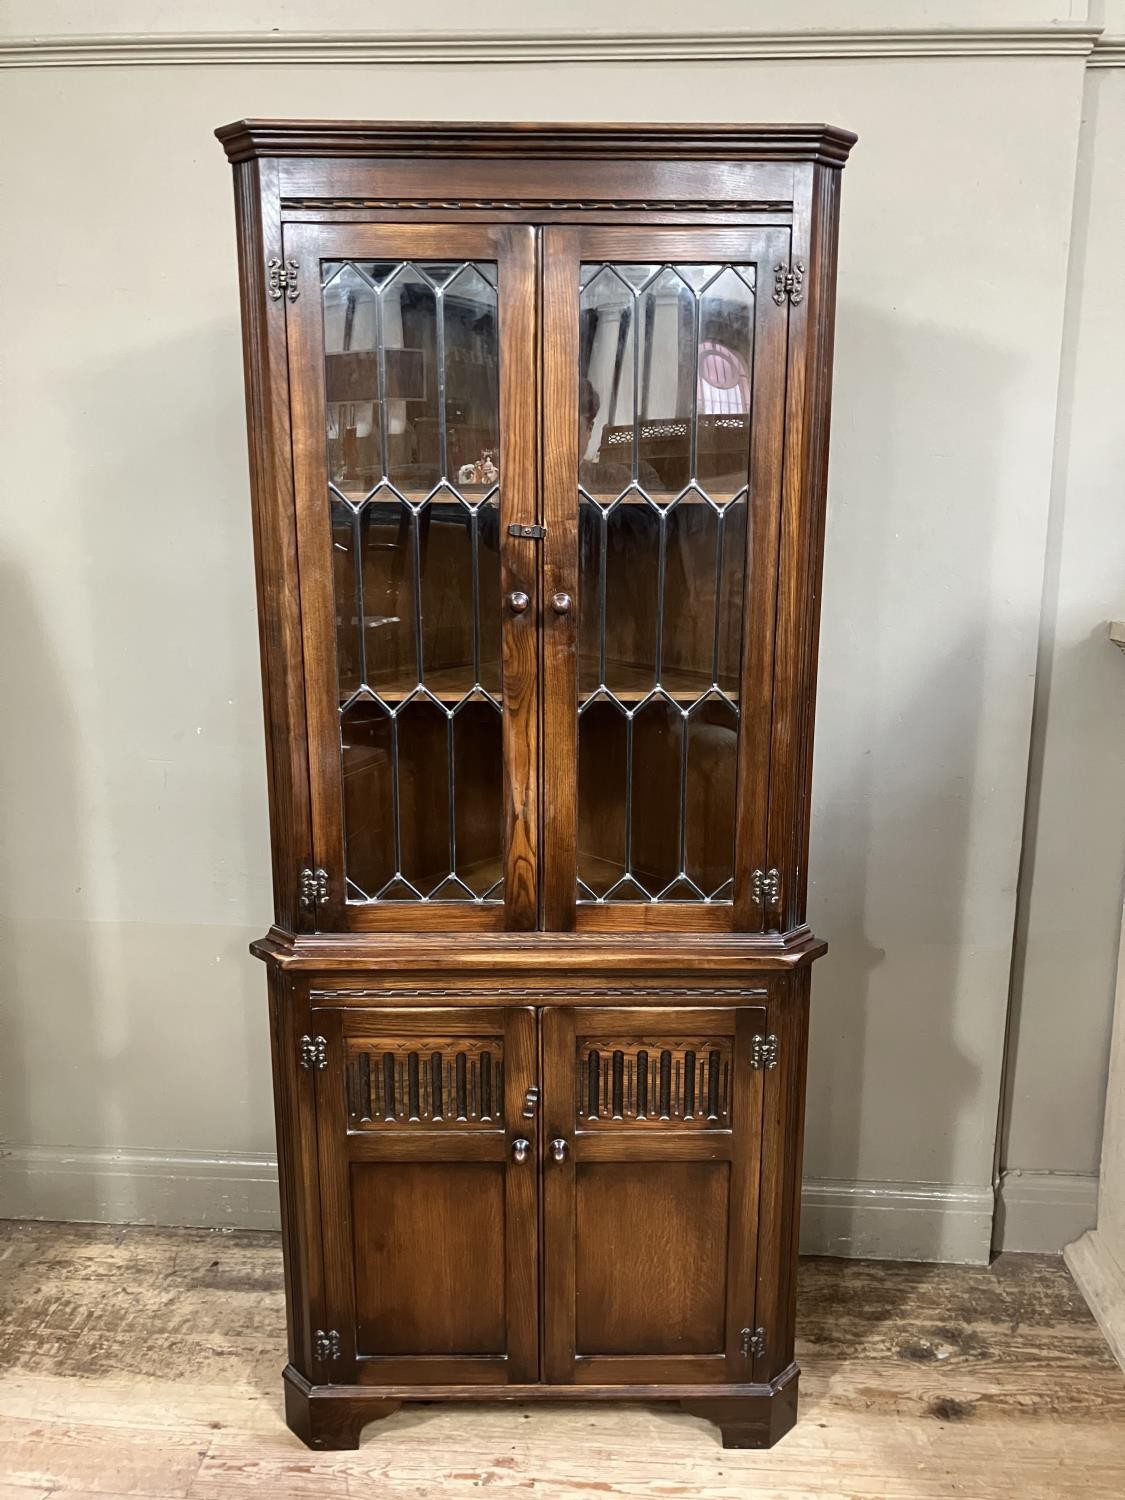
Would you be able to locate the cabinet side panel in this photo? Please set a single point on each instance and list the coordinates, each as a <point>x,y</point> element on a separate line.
<point>802,537</point>
<point>782,1143</point>
<point>297,1173</point>
<point>275,546</point>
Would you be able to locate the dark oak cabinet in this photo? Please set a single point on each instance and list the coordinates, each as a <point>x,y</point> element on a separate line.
<point>538,423</point>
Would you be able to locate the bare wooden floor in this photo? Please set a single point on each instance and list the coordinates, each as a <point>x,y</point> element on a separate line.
<point>146,1362</point>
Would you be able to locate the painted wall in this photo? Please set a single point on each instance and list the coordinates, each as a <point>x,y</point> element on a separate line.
<point>1074,852</point>
<point>133,844</point>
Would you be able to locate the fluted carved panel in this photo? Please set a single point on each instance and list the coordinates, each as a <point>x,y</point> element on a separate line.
<point>652,1082</point>
<point>402,1084</point>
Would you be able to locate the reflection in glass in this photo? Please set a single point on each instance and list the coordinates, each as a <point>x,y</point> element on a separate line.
<point>664,411</point>
<point>412,405</point>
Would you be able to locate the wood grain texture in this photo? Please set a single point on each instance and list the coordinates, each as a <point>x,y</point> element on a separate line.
<point>811,328</point>
<point>550,956</point>
<point>145,1362</point>
<point>258,222</point>
<point>519,571</point>
<point>559,361</point>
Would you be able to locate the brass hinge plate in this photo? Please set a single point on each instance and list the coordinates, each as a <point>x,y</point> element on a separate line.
<point>312,887</point>
<point>281,279</point>
<point>312,1053</point>
<point>763,1051</point>
<point>765,887</point>
<point>789,281</point>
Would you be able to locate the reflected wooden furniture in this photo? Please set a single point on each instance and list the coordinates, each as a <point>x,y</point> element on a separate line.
<point>538,423</point>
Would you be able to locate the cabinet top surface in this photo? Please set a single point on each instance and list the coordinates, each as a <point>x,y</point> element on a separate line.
<point>245,139</point>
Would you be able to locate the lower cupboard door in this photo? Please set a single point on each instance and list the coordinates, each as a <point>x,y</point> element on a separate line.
<point>652,1148</point>
<point>429,1197</point>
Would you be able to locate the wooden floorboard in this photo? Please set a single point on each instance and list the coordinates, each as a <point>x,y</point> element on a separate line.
<point>146,1362</point>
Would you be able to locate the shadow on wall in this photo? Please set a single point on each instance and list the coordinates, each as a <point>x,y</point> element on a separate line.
<point>133,782</point>
<point>909,604</point>
<point>43,865</point>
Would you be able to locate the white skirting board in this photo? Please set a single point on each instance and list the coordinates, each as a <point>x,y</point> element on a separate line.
<point>882,1220</point>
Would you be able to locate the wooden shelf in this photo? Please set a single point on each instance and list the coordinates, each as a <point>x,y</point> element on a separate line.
<point>627,683</point>
<point>473,493</point>
<point>449,685</point>
<point>481,875</point>
<point>630,683</point>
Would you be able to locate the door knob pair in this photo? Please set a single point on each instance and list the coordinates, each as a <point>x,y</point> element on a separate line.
<point>518,602</point>
<point>522,1147</point>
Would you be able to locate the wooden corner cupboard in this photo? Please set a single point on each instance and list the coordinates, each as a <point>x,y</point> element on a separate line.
<point>538,425</point>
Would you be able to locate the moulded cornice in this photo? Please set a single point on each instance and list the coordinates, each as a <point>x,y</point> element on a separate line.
<point>581,954</point>
<point>494,47</point>
<point>357,138</point>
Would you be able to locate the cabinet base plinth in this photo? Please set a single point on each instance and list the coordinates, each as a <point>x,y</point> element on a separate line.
<point>334,1416</point>
<point>329,1416</point>
<point>756,1421</point>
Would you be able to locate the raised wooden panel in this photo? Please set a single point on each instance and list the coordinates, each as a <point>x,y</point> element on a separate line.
<point>429,1250</point>
<point>651,1257</point>
<point>650,1192</point>
<point>650,1081</point>
<point>400,1083</point>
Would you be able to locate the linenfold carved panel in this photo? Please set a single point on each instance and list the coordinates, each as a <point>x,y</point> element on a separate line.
<point>454,1083</point>
<point>651,1082</point>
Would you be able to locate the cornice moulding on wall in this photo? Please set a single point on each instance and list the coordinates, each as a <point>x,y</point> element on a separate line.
<point>493,47</point>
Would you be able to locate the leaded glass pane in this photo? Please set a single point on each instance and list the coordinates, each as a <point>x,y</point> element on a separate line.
<point>413,430</point>
<point>664,403</point>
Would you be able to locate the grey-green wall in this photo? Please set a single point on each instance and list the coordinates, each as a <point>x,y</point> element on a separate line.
<point>973,546</point>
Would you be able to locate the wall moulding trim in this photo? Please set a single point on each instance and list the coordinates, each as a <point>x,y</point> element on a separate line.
<point>1109,52</point>
<point>98,1185</point>
<point>921,1221</point>
<point>1041,1212</point>
<point>881,1220</point>
<point>154,49</point>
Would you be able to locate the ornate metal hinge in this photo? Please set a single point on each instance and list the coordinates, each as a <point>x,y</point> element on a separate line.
<point>788,282</point>
<point>312,1052</point>
<point>763,1051</point>
<point>765,887</point>
<point>326,1345</point>
<point>753,1343</point>
<point>281,279</point>
<point>313,887</point>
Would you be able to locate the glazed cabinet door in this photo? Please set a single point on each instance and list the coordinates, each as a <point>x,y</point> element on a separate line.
<point>412,354</point>
<point>664,400</point>
<point>428,1165</point>
<point>652,1149</point>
